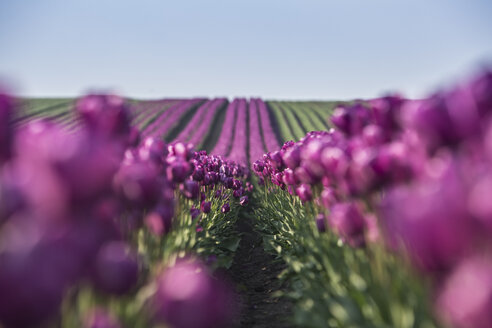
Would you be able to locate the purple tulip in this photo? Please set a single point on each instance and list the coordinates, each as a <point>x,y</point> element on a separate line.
<point>321,222</point>
<point>228,182</point>
<point>334,161</point>
<point>190,189</point>
<point>181,150</point>
<point>466,297</point>
<point>348,221</point>
<point>199,173</point>
<point>244,201</point>
<point>188,297</point>
<point>178,169</point>
<point>153,151</point>
<point>194,212</point>
<point>430,217</point>
<point>36,265</point>
<point>328,198</point>
<point>258,166</point>
<point>138,184</point>
<point>105,115</point>
<point>100,318</point>
<point>238,193</point>
<point>225,208</point>
<point>159,220</point>
<point>292,157</point>
<point>205,206</point>
<point>115,269</point>
<point>304,192</point>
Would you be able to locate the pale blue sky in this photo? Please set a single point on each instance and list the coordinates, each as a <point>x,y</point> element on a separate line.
<point>284,49</point>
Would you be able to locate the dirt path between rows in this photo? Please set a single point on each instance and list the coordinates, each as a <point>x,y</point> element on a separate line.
<point>254,273</point>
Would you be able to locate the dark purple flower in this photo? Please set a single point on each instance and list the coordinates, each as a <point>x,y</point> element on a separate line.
<point>115,269</point>
<point>236,184</point>
<point>348,221</point>
<point>105,115</point>
<point>159,220</point>
<point>195,212</point>
<point>225,208</point>
<point>178,169</point>
<point>138,184</point>
<point>199,173</point>
<point>321,222</point>
<point>244,201</point>
<point>188,297</point>
<point>238,193</point>
<point>205,206</point>
<point>190,189</point>
<point>228,182</point>
<point>304,192</point>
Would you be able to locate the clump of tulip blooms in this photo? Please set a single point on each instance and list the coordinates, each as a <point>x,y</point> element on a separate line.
<point>73,202</point>
<point>423,168</point>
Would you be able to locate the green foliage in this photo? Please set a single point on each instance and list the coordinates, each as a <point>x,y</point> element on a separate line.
<point>335,285</point>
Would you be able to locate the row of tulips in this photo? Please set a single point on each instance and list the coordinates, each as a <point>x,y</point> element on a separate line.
<point>169,118</point>
<point>201,122</point>
<point>399,186</point>
<point>223,145</point>
<point>207,122</point>
<point>269,136</point>
<point>256,148</point>
<point>99,230</point>
<point>143,110</point>
<point>195,121</point>
<point>238,152</point>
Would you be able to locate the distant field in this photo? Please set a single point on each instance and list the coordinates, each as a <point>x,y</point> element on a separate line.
<point>199,121</point>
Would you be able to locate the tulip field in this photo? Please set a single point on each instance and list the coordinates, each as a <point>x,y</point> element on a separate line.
<point>209,213</point>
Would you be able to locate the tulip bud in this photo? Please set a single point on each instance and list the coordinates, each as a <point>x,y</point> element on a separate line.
<point>205,206</point>
<point>304,192</point>
<point>225,208</point>
<point>244,201</point>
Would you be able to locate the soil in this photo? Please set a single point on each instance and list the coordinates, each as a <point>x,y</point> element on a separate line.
<point>254,273</point>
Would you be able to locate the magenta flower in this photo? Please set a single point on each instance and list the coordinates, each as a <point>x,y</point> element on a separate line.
<point>190,189</point>
<point>225,208</point>
<point>347,220</point>
<point>244,201</point>
<point>465,298</point>
<point>304,192</point>
<point>188,297</point>
<point>205,206</point>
